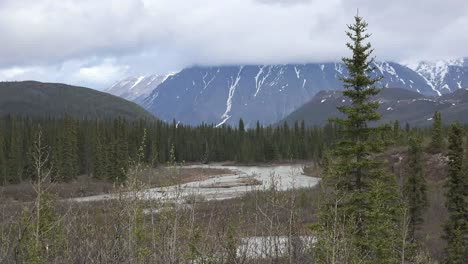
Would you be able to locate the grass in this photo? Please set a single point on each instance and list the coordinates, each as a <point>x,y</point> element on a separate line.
<point>86,185</point>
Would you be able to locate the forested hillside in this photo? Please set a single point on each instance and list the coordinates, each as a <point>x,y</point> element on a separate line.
<point>42,100</point>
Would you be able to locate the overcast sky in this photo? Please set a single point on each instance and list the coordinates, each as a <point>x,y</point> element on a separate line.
<point>97,42</point>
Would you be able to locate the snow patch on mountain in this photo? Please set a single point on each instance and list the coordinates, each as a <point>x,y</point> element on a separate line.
<point>137,88</point>
<point>439,73</point>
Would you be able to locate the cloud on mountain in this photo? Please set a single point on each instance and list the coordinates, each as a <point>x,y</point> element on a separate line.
<point>90,42</point>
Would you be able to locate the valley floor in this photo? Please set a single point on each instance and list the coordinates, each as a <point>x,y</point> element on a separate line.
<point>240,180</point>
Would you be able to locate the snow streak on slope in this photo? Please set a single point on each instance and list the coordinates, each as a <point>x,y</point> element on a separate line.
<point>232,89</point>
<point>137,81</point>
<point>258,84</point>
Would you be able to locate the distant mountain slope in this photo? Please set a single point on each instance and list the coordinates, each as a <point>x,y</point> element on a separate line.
<point>136,88</point>
<point>36,99</point>
<point>268,93</point>
<point>444,76</point>
<point>395,104</point>
<point>258,92</point>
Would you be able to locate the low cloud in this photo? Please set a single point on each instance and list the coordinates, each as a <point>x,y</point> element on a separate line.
<point>102,73</point>
<point>90,42</point>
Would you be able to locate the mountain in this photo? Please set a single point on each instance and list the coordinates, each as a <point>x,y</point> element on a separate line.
<point>444,76</point>
<point>395,104</point>
<point>258,92</point>
<point>269,93</point>
<point>36,99</point>
<point>136,88</point>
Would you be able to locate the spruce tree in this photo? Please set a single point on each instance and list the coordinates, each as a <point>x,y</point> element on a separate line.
<point>396,131</point>
<point>415,186</point>
<point>3,163</point>
<point>364,197</point>
<point>456,227</point>
<point>437,141</point>
<point>407,128</point>
<point>15,154</point>
<point>241,126</point>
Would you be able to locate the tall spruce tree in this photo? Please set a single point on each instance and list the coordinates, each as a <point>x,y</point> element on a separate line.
<point>456,228</point>
<point>360,194</point>
<point>415,186</point>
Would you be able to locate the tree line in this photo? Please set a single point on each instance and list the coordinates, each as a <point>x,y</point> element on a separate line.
<point>102,148</point>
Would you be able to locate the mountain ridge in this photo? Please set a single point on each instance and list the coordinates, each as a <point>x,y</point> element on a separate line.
<point>223,94</point>
<point>395,104</point>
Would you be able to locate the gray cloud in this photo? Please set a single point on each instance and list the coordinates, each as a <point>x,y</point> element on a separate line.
<point>93,43</point>
<point>284,2</point>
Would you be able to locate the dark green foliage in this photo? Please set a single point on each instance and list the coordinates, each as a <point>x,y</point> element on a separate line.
<point>102,148</point>
<point>65,160</point>
<point>396,131</point>
<point>241,126</point>
<point>354,149</point>
<point>415,186</point>
<point>43,100</point>
<point>456,228</point>
<point>3,161</point>
<point>437,141</point>
<point>119,152</point>
<point>14,151</point>
<point>362,200</point>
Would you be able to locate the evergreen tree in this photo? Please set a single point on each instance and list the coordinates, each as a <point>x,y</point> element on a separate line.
<point>415,186</point>
<point>153,157</point>
<point>396,131</point>
<point>118,164</point>
<point>437,141</point>
<point>65,151</point>
<point>3,163</point>
<point>241,126</point>
<point>407,127</point>
<point>456,228</point>
<point>362,193</point>
<point>15,153</point>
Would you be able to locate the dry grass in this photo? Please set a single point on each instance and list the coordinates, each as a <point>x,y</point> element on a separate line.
<point>86,186</point>
<point>92,227</point>
<point>96,230</point>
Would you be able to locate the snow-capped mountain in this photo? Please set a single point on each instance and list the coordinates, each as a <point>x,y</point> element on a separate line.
<point>136,88</point>
<point>267,93</point>
<point>444,76</point>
